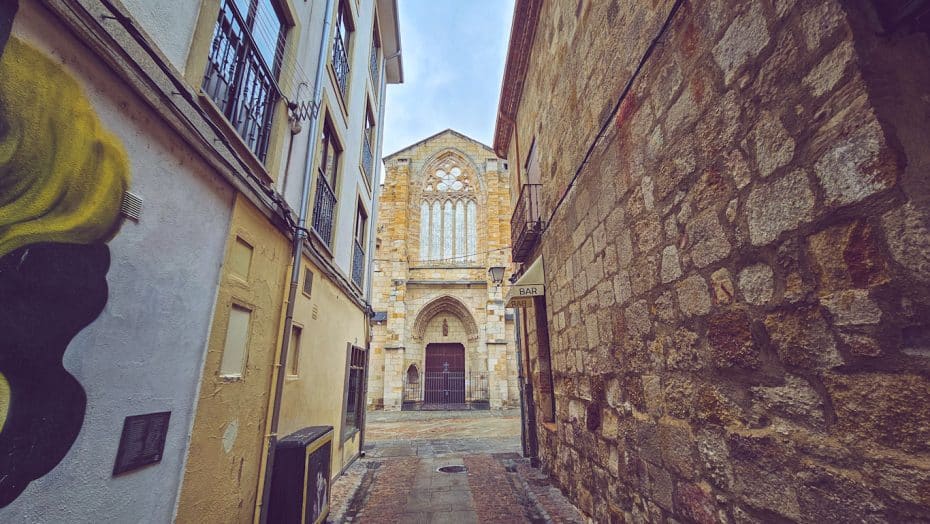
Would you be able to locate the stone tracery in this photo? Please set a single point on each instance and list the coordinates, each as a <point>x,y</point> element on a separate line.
<point>448,211</point>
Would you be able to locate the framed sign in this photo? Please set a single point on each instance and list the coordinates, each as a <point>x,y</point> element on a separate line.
<point>142,442</point>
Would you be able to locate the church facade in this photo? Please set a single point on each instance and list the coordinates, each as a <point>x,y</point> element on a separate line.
<point>441,337</point>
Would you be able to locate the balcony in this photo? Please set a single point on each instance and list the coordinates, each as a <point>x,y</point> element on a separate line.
<point>526,224</point>
<point>324,210</point>
<point>358,265</point>
<point>373,68</point>
<point>367,161</point>
<point>239,81</point>
<point>341,64</point>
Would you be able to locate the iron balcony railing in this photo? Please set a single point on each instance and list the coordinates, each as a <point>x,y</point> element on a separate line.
<point>526,223</point>
<point>341,64</point>
<point>358,265</point>
<point>374,68</point>
<point>367,160</point>
<point>239,81</point>
<point>324,210</point>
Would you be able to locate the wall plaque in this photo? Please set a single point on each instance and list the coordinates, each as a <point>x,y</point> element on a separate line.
<point>142,442</point>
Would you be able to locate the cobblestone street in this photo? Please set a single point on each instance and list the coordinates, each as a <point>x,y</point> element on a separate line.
<point>399,479</point>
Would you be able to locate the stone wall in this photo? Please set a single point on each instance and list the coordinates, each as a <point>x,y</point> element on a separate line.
<point>738,279</point>
<point>405,284</point>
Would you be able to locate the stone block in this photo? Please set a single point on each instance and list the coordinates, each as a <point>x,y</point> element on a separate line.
<point>747,36</point>
<point>795,399</point>
<point>671,267</point>
<point>908,235</point>
<point>802,338</point>
<point>779,206</point>
<point>730,336</point>
<point>852,307</point>
<point>696,503</point>
<point>847,256</point>
<point>756,282</point>
<point>886,409</point>
<point>693,296</point>
<point>773,146</point>
<point>707,240</point>
<point>722,286</point>
<point>857,166</point>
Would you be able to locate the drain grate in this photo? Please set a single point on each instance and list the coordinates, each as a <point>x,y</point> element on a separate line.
<point>452,469</point>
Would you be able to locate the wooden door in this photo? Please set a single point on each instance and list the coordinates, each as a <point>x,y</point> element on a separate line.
<point>444,374</point>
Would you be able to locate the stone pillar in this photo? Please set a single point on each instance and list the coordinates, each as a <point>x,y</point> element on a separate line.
<point>393,378</point>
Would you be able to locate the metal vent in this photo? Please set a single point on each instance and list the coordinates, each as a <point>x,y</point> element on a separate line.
<point>308,281</point>
<point>131,206</point>
<point>316,311</point>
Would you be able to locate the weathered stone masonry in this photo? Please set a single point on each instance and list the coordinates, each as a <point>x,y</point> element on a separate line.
<point>738,280</point>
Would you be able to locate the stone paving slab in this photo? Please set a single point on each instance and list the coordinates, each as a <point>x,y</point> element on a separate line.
<point>399,481</point>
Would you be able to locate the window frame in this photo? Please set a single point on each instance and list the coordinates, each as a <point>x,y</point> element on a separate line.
<point>293,351</point>
<point>349,431</point>
<point>243,367</point>
<point>232,84</point>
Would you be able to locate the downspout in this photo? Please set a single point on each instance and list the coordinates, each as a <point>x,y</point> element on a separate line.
<point>297,248</point>
<point>519,348</point>
<point>372,234</point>
<point>527,406</point>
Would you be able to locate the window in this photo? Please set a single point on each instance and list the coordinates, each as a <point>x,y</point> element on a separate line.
<point>235,348</point>
<point>448,217</point>
<point>355,382</point>
<point>308,281</point>
<point>368,144</point>
<point>358,253</point>
<point>243,67</point>
<point>240,259</point>
<point>341,46</point>
<point>374,66</point>
<point>324,209</point>
<point>293,351</point>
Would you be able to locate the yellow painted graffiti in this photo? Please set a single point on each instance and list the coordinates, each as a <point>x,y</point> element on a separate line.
<point>4,399</point>
<point>62,175</point>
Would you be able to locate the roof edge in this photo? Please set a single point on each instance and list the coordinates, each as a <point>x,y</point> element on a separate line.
<point>522,36</point>
<point>427,139</point>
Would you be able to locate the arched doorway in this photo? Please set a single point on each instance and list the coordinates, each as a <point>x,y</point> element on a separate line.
<point>444,375</point>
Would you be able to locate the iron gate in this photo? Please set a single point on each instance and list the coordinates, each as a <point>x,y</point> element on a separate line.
<point>444,387</point>
<point>445,390</point>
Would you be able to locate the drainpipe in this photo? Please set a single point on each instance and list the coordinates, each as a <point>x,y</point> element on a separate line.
<point>527,406</point>
<point>299,235</point>
<point>519,347</point>
<point>372,238</point>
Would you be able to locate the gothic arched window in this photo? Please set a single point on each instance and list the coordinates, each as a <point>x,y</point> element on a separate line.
<point>448,216</point>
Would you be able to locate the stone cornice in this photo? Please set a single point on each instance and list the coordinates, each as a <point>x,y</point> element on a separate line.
<point>522,35</point>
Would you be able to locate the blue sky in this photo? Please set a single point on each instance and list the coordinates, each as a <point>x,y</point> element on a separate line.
<point>453,55</point>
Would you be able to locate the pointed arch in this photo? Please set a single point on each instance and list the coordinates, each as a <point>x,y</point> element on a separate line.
<point>445,304</point>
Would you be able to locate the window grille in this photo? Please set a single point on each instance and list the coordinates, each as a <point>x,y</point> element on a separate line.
<point>243,66</point>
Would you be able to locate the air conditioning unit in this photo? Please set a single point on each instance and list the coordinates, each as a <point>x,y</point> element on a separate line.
<point>300,482</point>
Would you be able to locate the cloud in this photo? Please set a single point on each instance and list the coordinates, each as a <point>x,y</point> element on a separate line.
<point>454,56</point>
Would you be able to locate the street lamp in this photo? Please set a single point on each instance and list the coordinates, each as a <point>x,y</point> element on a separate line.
<point>497,274</point>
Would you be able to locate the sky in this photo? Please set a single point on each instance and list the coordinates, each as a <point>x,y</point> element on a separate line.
<point>453,57</point>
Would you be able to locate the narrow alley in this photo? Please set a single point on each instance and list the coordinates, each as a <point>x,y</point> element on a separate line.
<point>464,261</point>
<point>447,467</point>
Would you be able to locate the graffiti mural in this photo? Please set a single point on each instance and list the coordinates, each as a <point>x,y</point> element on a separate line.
<point>62,178</point>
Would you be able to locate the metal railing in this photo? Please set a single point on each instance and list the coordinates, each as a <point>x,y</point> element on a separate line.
<point>367,160</point>
<point>446,388</point>
<point>239,81</point>
<point>341,63</point>
<point>374,68</point>
<point>324,210</point>
<point>358,265</point>
<point>526,223</point>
